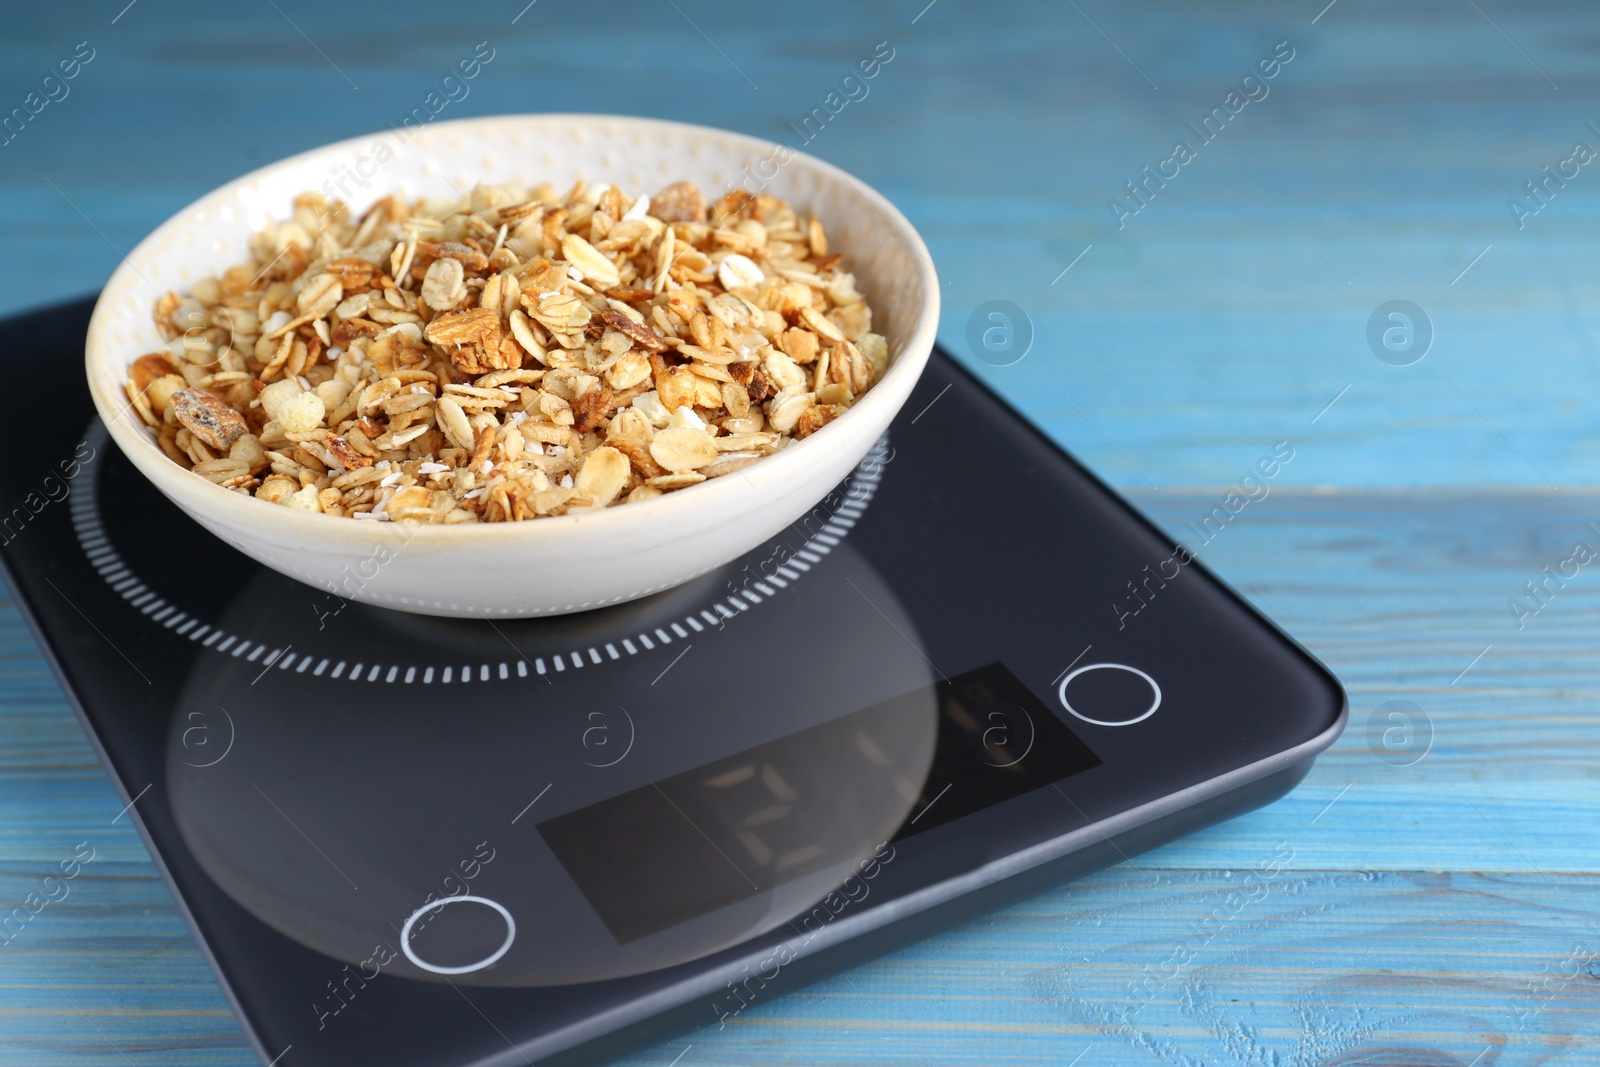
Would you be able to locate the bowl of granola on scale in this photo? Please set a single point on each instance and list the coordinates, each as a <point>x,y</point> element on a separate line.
<point>513,366</point>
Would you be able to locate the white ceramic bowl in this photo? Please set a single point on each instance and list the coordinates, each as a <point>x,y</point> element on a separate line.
<point>556,564</point>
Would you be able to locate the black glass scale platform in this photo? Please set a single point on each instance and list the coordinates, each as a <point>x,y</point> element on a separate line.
<point>418,841</point>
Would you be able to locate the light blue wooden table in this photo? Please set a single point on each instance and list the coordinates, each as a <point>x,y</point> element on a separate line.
<point>1445,912</point>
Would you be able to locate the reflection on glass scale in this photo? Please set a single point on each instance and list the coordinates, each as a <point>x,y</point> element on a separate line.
<point>495,845</point>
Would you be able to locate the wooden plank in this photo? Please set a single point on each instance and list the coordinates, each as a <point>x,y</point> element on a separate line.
<point>1207,327</point>
<point>1401,594</point>
<point>1216,967</point>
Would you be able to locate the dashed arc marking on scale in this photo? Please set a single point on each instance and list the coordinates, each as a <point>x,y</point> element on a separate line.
<point>103,556</point>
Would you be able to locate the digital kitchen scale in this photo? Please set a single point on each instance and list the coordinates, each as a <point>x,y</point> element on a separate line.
<point>418,841</point>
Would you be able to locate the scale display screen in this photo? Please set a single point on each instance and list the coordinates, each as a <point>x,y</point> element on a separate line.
<point>686,845</point>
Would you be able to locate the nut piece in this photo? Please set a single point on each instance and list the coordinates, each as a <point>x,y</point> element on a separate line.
<point>680,449</point>
<point>208,418</point>
<point>462,327</point>
<point>591,409</point>
<point>679,202</point>
<point>760,387</point>
<point>642,335</point>
<point>340,449</point>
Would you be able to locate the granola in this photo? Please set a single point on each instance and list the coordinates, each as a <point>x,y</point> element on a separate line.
<point>514,354</point>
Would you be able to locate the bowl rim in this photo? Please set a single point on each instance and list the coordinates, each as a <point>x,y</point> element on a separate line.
<point>882,401</point>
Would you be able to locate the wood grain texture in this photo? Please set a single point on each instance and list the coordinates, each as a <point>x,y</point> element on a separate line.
<point>1226,313</point>
<point>1442,913</point>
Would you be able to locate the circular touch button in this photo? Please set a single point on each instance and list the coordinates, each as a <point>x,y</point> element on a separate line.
<point>458,935</point>
<point>1110,694</point>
